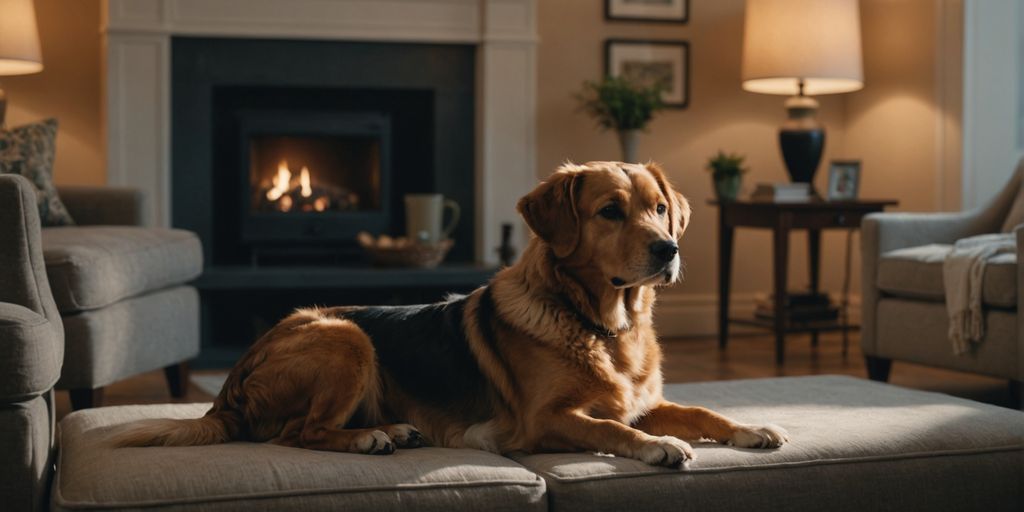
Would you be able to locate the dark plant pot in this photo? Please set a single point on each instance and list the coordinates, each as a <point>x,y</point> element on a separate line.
<point>727,186</point>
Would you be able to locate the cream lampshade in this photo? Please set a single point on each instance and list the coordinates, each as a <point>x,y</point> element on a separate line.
<point>800,48</point>
<point>19,43</point>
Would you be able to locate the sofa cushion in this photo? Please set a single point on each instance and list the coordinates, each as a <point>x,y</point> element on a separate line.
<point>248,476</point>
<point>92,267</point>
<point>854,445</point>
<point>916,272</point>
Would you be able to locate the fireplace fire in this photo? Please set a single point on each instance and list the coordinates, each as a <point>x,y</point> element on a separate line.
<point>286,193</point>
<point>312,177</point>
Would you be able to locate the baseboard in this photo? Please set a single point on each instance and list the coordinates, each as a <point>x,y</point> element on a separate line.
<point>691,315</point>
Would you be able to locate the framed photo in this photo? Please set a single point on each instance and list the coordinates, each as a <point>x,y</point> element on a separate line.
<point>670,11</point>
<point>843,180</point>
<point>650,63</point>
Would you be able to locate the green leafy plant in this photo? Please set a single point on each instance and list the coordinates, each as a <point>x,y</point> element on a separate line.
<point>726,164</point>
<point>618,104</point>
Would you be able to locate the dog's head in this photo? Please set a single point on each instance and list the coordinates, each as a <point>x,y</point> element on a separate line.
<point>621,222</point>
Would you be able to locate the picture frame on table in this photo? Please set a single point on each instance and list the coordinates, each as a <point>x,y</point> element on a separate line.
<point>656,11</point>
<point>843,180</point>
<point>650,63</point>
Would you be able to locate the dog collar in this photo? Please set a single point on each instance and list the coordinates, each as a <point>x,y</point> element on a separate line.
<point>588,324</point>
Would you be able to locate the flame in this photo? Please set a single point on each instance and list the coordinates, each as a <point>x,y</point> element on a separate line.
<point>285,204</point>
<point>307,190</point>
<point>281,182</point>
<point>321,203</point>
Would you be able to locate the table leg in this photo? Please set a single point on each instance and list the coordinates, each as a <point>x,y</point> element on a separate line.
<point>725,237</point>
<point>781,262</point>
<point>813,263</point>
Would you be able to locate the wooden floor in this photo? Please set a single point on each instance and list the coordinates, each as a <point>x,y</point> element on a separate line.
<point>688,360</point>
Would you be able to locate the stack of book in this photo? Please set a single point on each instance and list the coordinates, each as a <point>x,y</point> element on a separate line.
<point>782,192</point>
<point>800,307</point>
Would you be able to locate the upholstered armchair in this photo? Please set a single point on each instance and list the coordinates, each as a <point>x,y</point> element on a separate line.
<point>31,351</point>
<point>903,297</point>
<point>122,291</point>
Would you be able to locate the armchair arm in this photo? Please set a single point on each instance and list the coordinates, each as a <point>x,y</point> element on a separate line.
<point>884,232</point>
<point>31,333</point>
<point>103,205</point>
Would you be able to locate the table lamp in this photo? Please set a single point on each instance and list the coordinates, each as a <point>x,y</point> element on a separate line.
<point>801,48</point>
<point>19,44</point>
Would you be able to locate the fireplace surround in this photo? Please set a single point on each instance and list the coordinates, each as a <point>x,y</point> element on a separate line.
<point>138,38</point>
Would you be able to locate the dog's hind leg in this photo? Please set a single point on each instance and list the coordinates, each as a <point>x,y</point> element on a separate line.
<point>332,364</point>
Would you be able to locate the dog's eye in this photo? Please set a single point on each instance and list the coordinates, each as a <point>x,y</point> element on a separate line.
<point>662,209</point>
<point>612,212</point>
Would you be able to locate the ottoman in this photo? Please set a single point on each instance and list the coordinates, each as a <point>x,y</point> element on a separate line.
<point>855,445</point>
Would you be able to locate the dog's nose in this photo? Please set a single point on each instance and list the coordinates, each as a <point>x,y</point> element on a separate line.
<point>664,250</point>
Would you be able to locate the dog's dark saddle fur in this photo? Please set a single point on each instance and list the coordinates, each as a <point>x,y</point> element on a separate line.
<point>423,349</point>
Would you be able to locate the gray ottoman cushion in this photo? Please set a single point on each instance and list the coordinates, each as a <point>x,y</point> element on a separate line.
<point>135,335</point>
<point>855,445</point>
<point>90,267</point>
<point>246,476</point>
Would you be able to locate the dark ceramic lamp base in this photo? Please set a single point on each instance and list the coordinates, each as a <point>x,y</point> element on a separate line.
<point>801,149</point>
<point>801,138</point>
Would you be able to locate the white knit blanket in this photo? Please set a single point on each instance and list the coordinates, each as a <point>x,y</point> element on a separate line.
<point>963,273</point>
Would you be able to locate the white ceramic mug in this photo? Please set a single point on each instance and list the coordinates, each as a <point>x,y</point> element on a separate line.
<point>423,215</point>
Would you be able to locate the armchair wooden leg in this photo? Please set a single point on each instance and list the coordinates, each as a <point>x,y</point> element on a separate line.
<point>878,368</point>
<point>177,379</point>
<point>86,398</point>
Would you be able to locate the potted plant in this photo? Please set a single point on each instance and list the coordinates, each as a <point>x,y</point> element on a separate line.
<point>726,174</point>
<point>618,104</point>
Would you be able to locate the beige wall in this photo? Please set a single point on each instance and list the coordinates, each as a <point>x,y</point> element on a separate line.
<point>896,125</point>
<point>891,125</point>
<point>720,116</point>
<point>68,88</point>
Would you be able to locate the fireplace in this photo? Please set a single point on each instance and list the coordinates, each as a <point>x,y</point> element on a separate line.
<point>309,178</point>
<point>295,154</point>
<point>456,79</point>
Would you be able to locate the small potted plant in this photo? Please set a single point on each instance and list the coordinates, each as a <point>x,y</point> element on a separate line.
<point>726,174</point>
<point>620,105</point>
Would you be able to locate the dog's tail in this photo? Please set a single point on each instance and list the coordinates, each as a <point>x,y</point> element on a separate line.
<point>210,429</point>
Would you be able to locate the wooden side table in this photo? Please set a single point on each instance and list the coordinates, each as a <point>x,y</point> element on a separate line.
<point>782,218</point>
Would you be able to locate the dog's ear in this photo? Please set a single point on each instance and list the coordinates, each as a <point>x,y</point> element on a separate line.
<point>551,211</point>
<point>678,206</point>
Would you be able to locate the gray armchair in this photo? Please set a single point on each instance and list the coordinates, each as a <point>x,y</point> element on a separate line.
<point>31,350</point>
<point>903,299</point>
<point>122,292</point>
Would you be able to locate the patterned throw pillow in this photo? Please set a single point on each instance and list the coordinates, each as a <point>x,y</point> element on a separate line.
<point>28,150</point>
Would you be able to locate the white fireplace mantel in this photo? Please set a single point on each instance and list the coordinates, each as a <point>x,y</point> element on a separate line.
<point>138,82</point>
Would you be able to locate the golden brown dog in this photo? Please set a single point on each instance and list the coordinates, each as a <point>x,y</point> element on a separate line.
<point>557,353</point>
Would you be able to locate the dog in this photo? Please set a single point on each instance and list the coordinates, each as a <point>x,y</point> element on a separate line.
<point>556,353</point>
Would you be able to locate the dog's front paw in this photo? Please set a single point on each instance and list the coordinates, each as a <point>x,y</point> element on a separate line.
<point>405,435</point>
<point>666,451</point>
<point>373,442</point>
<point>759,436</point>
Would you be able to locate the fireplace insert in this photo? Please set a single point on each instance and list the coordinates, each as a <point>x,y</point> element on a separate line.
<point>312,176</point>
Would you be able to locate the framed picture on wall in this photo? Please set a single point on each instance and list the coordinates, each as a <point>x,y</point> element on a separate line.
<point>671,11</point>
<point>652,63</point>
<point>843,180</point>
